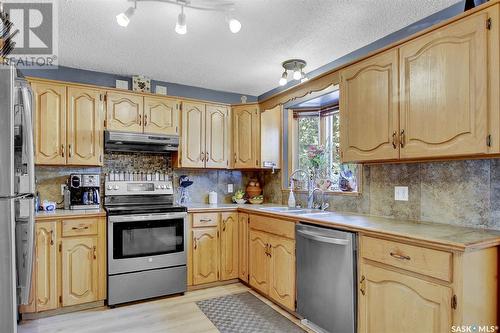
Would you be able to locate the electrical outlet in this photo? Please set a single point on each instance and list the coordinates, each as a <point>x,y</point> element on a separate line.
<point>62,189</point>
<point>230,188</point>
<point>401,193</point>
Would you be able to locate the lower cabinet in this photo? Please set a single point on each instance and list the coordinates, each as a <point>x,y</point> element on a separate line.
<point>229,246</point>
<point>272,266</point>
<point>243,247</point>
<point>69,264</point>
<point>415,305</point>
<point>205,255</point>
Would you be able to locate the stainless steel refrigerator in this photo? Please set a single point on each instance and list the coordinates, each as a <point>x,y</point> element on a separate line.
<point>17,187</point>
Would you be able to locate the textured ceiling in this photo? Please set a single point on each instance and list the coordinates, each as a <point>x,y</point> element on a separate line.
<point>209,56</point>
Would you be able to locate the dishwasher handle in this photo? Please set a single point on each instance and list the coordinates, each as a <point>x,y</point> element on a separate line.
<point>323,239</point>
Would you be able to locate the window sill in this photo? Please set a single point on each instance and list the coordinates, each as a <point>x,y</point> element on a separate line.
<point>340,193</point>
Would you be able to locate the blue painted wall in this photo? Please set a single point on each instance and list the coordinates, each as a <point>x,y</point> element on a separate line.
<point>76,75</point>
<point>378,44</point>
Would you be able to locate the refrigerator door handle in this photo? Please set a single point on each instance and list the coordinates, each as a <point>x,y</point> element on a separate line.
<point>25,245</point>
<point>28,134</point>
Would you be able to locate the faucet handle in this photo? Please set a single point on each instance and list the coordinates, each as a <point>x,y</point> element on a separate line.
<point>325,206</point>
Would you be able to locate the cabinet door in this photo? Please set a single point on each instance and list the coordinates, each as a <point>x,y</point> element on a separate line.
<point>243,247</point>
<point>444,91</point>
<point>216,137</point>
<point>50,123</point>
<point>245,134</point>
<point>161,115</point>
<point>80,276</point>
<point>270,137</point>
<point>124,112</point>
<point>258,261</point>
<point>205,255</point>
<point>46,266</point>
<point>229,246</point>
<point>369,122</point>
<point>394,302</point>
<point>193,135</point>
<point>84,130</point>
<point>282,271</point>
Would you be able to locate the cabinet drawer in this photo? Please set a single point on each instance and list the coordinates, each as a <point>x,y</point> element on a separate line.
<point>79,227</point>
<point>425,261</point>
<point>273,226</point>
<point>205,220</point>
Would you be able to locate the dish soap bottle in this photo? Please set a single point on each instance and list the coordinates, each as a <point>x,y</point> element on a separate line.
<point>291,197</point>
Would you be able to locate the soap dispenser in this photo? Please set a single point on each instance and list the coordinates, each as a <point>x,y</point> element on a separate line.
<point>291,197</point>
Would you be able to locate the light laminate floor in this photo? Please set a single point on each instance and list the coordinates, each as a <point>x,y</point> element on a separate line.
<point>176,314</point>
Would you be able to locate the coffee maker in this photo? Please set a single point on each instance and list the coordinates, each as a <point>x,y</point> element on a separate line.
<point>84,191</point>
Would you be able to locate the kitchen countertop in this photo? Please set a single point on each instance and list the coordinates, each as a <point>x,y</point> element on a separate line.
<point>69,213</point>
<point>436,234</point>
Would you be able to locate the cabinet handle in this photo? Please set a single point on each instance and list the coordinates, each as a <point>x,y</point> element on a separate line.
<point>235,158</point>
<point>223,225</point>
<point>270,251</point>
<point>394,139</point>
<point>145,120</point>
<point>70,151</point>
<point>206,157</point>
<point>80,228</point>
<point>362,285</point>
<point>52,237</point>
<point>95,252</point>
<point>140,120</point>
<point>202,156</point>
<point>205,220</point>
<point>400,256</point>
<point>402,139</point>
<point>195,243</point>
<point>62,150</point>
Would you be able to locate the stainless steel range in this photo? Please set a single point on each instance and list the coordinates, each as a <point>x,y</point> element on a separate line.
<point>146,241</point>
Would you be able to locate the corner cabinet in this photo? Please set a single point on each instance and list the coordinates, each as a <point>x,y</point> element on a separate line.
<point>246,134</point>
<point>369,117</point>
<point>204,136</point>
<point>68,124</point>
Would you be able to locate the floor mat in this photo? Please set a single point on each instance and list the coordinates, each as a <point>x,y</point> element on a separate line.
<point>245,313</point>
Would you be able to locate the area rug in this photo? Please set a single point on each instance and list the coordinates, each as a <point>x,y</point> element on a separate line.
<point>245,313</point>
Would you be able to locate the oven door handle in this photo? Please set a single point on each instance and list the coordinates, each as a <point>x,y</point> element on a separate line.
<point>146,217</point>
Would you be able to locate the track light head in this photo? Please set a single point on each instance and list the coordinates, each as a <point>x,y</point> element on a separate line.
<point>123,19</point>
<point>181,25</point>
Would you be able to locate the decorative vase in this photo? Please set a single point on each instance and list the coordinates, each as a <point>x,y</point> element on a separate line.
<point>253,188</point>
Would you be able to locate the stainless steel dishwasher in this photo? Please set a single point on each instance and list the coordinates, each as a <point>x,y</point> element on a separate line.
<point>326,275</point>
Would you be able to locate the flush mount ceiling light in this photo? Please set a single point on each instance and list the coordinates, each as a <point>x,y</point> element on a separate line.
<point>224,6</point>
<point>296,66</point>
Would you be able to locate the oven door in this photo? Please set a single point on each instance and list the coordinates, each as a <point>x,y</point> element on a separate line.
<point>146,241</point>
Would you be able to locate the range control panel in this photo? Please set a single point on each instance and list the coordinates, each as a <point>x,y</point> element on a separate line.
<point>138,187</point>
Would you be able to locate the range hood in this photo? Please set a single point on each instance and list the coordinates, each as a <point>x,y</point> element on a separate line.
<point>140,143</point>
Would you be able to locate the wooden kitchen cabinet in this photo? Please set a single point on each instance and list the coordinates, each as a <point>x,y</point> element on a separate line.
<point>216,137</point>
<point>282,271</point>
<point>396,302</point>
<point>243,237</point>
<point>50,123</point>
<point>124,112</point>
<point>258,261</point>
<point>444,82</point>
<point>46,266</point>
<point>84,126</point>
<point>246,121</point>
<point>193,135</point>
<point>161,115</point>
<point>80,275</point>
<point>205,255</point>
<point>270,137</point>
<point>369,115</point>
<point>229,246</point>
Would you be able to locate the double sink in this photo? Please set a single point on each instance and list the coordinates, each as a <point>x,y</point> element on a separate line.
<point>295,211</point>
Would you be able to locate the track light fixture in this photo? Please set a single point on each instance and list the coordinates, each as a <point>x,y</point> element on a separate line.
<point>225,6</point>
<point>297,67</point>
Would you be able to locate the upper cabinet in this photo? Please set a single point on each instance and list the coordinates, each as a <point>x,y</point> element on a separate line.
<point>246,147</point>
<point>435,96</point>
<point>444,80</point>
<point>84,130</point>
<point>270,137</point>
<point>68,124</point>
<point>124,112</point>
<point>50,123</point>
<point>369,116</point>
<point>161,115</point>
<point>204,140</point>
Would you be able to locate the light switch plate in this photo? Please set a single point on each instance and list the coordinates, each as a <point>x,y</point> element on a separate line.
<point>122,84</point>
<point>401,193</point>
<point>62,189</point>
<point>161,90</point>
<point>230,188</point>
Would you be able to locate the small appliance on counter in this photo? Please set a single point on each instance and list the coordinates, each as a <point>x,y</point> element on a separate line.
<point>84,191</point>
